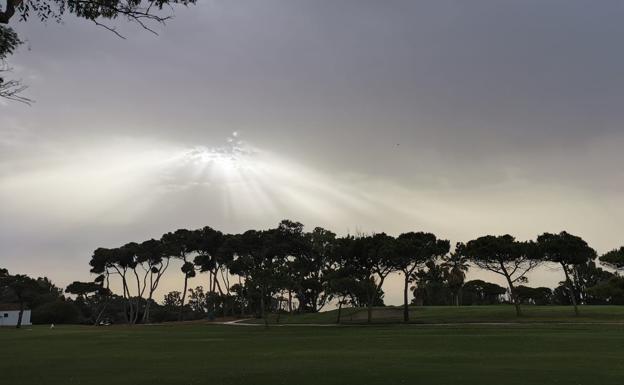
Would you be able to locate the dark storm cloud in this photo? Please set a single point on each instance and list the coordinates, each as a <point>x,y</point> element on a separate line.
<point>452,111</point>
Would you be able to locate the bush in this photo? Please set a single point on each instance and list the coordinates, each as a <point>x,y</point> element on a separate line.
<point>57,312</point>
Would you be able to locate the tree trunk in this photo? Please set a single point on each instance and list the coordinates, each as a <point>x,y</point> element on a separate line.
<point>130,314</point>
<point>289,301</point>
<point>376,289</point>
<point>512,292</point>
<point>262,310</point>
<point>99,316</point>
<point>20,315</point>
<point>339,310</point>
<point>570,289</point>
<point>405,299</point>
<point>146,315</point>
<point>248,304</point>
<point>181,314</point>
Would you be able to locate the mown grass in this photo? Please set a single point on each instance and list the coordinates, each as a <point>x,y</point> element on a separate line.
<point>461,314</point>
<point>381,354</point>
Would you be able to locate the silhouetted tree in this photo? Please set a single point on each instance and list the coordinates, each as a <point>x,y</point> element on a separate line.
<point>587,275</point>
<point>198,301</point>
<point>22,288</point>
<point>260,256</point>
<point>569,251</point>
<point>457,265</point>
<point>614,259</point>
<point>370,259</point>
<point>609,292</point>
<point>310,254</point>
<point>534,295</point>
<point>153,258</point>
<point>505,256</point>
<point>413,251</point>
<point>479,292</point>
<point>120,262</point>
<point>431,285</point>
<point>9,41</point>
<point>93,295</point>
<point>342,279</point>
<point>173,299</point>
<point>211,259</point>
<point>180,245</point>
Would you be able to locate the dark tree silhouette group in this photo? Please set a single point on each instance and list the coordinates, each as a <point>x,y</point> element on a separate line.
<point>289,270</point>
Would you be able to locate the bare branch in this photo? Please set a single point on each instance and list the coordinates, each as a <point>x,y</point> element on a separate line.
<point>12,89</point>
<point>111,29</point>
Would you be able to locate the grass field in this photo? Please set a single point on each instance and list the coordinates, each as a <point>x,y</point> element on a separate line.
<point>581,354</point>
<point>462,314</point>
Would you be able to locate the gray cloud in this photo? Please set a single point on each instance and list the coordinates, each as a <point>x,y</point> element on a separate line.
<point>450,116</point>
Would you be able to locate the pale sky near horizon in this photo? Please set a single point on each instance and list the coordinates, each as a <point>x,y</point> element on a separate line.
<point>459,118</point>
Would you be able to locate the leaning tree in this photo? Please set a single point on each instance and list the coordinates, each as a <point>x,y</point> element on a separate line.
<point>504,256</point>
<point>568,251</point>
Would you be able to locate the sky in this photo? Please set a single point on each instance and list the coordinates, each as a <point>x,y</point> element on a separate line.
<point>453,117</point>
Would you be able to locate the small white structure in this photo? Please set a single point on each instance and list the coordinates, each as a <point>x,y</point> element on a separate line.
<point>9,314</point>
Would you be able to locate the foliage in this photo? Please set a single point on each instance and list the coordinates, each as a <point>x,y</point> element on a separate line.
<point>609,292</point>
<point>568,251</point>
<point>431,286</point>
<point>505,256</point>
<point>413,251</point>
<point>56,312</point>
<point>29,293</point>
<point>614,259</point>
<point>534,295</point>
<point>479,292</point>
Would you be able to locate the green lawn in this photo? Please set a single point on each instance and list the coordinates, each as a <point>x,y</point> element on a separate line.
<point>462,314</point>
<point>382,354</point>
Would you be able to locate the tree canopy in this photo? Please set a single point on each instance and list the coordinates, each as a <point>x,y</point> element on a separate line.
<point>614,259</point>
<point>505,256</point>
<point>569,251</point>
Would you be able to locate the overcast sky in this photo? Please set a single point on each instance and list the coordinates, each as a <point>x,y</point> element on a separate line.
<point>457,117</point>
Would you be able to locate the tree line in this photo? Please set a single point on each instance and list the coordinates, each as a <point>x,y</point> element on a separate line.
<point>261,270</point>
<point>288,269</point>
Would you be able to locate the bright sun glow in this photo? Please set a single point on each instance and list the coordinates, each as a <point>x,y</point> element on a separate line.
<point>234,180</point>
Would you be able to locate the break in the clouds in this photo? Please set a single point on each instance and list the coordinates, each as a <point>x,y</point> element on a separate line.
<point>461,118</point>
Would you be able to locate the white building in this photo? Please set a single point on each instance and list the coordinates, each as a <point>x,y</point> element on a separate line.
<point>9,313</point>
